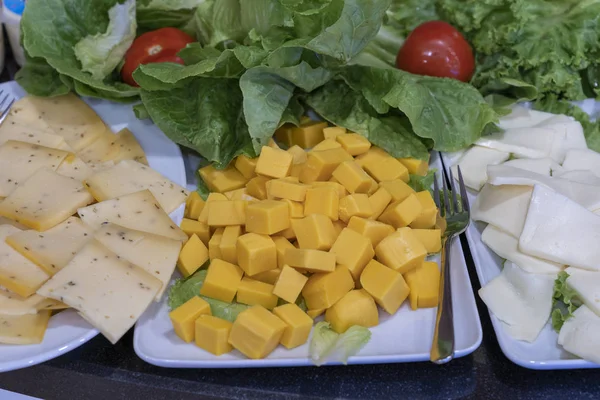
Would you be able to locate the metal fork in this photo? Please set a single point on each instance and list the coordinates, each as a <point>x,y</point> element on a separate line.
<point>4,111</point>
<point>457,218</point>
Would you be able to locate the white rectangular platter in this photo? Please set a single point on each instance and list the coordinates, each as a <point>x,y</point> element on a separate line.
<point>403,337</point>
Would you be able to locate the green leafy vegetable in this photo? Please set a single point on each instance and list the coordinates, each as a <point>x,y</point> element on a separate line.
<point>564,301</point>
<point>351,342</point>
<point>326,343</point>
<point>420,183</point>
<point>40,79</point>
<point>322,342</point>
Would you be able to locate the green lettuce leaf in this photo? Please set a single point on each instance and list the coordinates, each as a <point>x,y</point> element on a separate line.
<point>326,344</point>
<point>40,79</point>
<point>564,301</point>
<point>322,342</point>
<point>156,14</point>
<point>420,183</point>
<point>350,343</point>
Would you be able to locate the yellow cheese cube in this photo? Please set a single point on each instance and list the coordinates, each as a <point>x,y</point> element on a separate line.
<point>267,217</point>
<point>296,208</point>
<point>298,155</point>
<point>285,189</point>
<point>253,292</point>
<point>314,231</point>
<point>193,206</point>
<point>298,328</point>
<point>402,212</point>
<point>440,223</point>
<point>269,276</point>
<point>372,156</point>
<point>272,144</point>
<point>310,260</point>
<point>357,307</point>
<point>257,187</point>
<point>424,284</point>
<point>401,251</point>
<point>354,143</point>
<point>222,180</point>
<point>431,239</point>
<point>315,313</point>
<point>296,169</point>
<point>184,316</point>
<point>256,332</point>
<point>326,145</point>
<point>213,197</point>
<point>237,194</point>
<point>225,213</point>
<point>379,202</point>
<point>282,244</point>
<point>193,254</point>
<point>193,227</point>
<point>338,226</point>
<point>289,284</point>
<point>427,217</point>
<point>222,281</point>
<point>309,134</point>
<point>323,290</point>
<point>375,231</point>
<point>274,163</point>
<point>289,232</point>
<point>333,131</point>
<point>374,186</point>
<point>212,334</point>
<point>256,253</point>
<point>385,285</point>
<point>340,190</point>
<point>414,166</point>
<point>246,166</point>
<point>398,189</point>
<point>322,200</point>
<point>352,177</point>
<point>284,134</point>
<point>353,251</point>
<point>228,245</point>
<point>387,169</point>
<point>320,164</point>
<point>356,204</point>
<point>214,244</point>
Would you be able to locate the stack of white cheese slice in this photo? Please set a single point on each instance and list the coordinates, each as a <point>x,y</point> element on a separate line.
<point>84,221</point>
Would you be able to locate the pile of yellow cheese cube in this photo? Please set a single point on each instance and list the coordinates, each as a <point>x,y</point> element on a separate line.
<point>337,225</point>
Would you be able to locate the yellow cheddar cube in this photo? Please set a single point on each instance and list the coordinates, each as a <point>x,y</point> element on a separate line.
<point>427,217</point>
<point>374,186</point>
<point>414,166</point>
<point>310,260</point>
<point>431,239</point>
<point>228,245</point>
<point>372,156</point>
<point>354,143</point>
<point>356,307</point>
<point>289,284</point>
<point>257,187</point>
<point>340,190</point>
<point>267,217</point>
<point>193,254</point>
<point>194,227</point>
<point>298,155</point>
<point>323,290</point>
<point>222,180</point>
<point>214,244</point>
<point>355,205</point>
<point>284,134</point>
<point>212,334</point>
<point>289,232</point>
<point>269,276</point>
<point>402,212</point>
<point>213,197</point>
<point>315,313</point>
<point>322,200</point>
<point>326,145</point>
<point>222,281</point>
<point>353,251</point>
<point>387,169</point>
<point>385,285</point>
<point>256,332</point>
<point>256,253</point>
<point>401,251</point>
<point>273,144</point>
<point>309,134</point>
<point>225,213</point>
<point>398,189</point>
<point>296,208</point>
<point>237,194</point>
<point>375,231</point>
<point>320,164</point>
<point>352,177</point>
<point>253,292</point>
<point>338,227</point>
<point>286,189</point>
<point>275,163</point>
<point>193,206</point>
<point>424,284</point>
<point>246,166</point>
<point>298,328</point>
<point>184,316</point>
<point>296,169</point>
<point>440,223</point>
<point>379,202</point>
<point>333,131</point>
<point>282,244</point>
<point>314,231</point>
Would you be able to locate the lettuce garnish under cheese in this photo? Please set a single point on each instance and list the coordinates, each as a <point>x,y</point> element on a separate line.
<point>565,301</point>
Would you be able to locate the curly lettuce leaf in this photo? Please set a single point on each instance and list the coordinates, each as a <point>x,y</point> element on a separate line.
<point>322,342</point>
<point>420,183</point>
<point>326,344</point>
<point>350,343</point>
<point>564,301</point>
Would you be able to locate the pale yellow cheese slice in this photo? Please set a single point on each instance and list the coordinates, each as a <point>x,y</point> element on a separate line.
<point>54,248</point>
<point>130,176</point>
<point>155,254</point>
<point>139,211</point>
<point>29,135</point>
<point>100,150</point>
<point>50,304</point>
<point>13,304</point>
<point>128,148</point>
<point>8,221</point>
<point>24,112</point>
<point>18,274</point>
<point>45,200</point>
<point>24,329</point>
<point>74,167</point>
<point>107,291</point>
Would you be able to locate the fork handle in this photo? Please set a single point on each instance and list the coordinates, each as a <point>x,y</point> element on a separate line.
<point>442,347</point>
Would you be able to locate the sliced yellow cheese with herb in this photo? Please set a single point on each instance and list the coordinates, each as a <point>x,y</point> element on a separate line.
<point>128,148</point>
<point>100,150</point>
<point>13,304</point>
<point>25,112</point>
<point>8,221</point>
<point>24,329</point>
<point>27,134</point>
<point>74,167</point>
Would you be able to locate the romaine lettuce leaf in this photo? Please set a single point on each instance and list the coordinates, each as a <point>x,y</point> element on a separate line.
<point>564,301</point>
<point>40,79</point>
<point>420,183</point>
<point>351,342</point>
<point>326,344</point>
<point>322,342</point>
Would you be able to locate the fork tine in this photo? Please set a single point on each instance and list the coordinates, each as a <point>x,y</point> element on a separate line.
<point>5,111</point>
<point>446,201</point>
<point>463,191</point>
<point>4,99</point>
<point>436,191</point>
<point>453,189</point>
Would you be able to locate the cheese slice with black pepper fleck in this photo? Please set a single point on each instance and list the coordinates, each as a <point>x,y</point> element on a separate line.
<point>74,167</point>
<point>155,254</point>
<point>100,150</point>
<point>24,329</point>
<point>8,221</point>
<point>18,274</point>
<point>107,291</point>
<point>24,112</point>
<point>128,177</point>
<point>45,200</point>
<point>20,160</point>
<point>139,211</point>
<point>128,148</point>
<point>54,248</point>
<point>29,135</point>
<point>13,304</point>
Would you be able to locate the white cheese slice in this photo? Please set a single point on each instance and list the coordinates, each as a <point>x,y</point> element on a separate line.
<point>578,159</point>
<point>503,206</point>
<point>579,335</point>
<point>523,301</point>
<point>54,248</point>
<point>24,329</point>
<point>560,230</point>
<point>108,292</point>
<point>587,285</point>
<point>8,221</point>
<point>18,274</point>
<point>473,165</point>
<point>20,160</point>
<point>128,148</point>
<point>531,142</point>
<point>581,176</point>
<point>541,166</point>
<point>155,254</point>
<point>45,200</point>
<point>507,247</point>
<point>130,176</point>
<point>521,117</point>
<point>568,135</point>
<point>139,211</point>
<point>27,134</point>
<point>13,304</point>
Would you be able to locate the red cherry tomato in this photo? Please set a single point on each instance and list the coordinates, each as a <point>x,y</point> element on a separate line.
<point>436,48</point>
<point>161,45</point>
